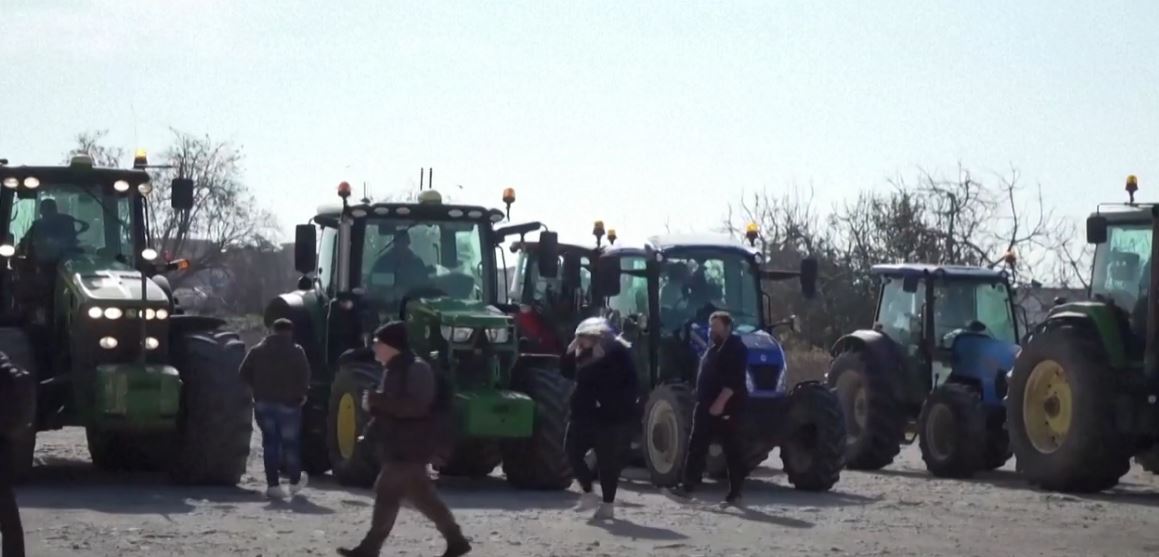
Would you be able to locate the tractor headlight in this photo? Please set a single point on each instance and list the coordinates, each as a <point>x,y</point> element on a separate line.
<point>96,312</point>
<point>162,314</point>
<point>151,343</point>
<point>108,343</point>
<point>113,313</point>
<point>150,313</point>
<point>498,335</point>
<point>121,186</point>
<point>456,334</point>
<point>11,183</point>
<point>32,182</point>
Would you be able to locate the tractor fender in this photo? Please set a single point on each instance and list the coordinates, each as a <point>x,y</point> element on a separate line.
<point>1104,327</point>
<point>182,325</point>
<point>879,352</point>
<point>293,306</point>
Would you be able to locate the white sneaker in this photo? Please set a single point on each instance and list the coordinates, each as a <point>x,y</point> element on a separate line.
<point>297,488</point>
<point>606,511</point>
<point>276,492</point>
<point>587,502</point>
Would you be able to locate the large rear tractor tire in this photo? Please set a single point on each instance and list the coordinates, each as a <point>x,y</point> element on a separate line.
<point>353,461</point>
<point>874,421</point>
<point>15,344</point>
<point>813,442</point>
<point>540,462</point>
<point>756,452</point>
<point>215,421</point>
<point>952,432</point>
<point>1060,413</point>
<point>667,425</point>
<point>472,458</point>
<point>998,450</point>
<point>315,452</point>
<point>1149,459</point>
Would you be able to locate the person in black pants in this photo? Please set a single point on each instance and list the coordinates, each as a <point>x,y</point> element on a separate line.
<point>721,390</point>
<point>603,410</point>
<point>11,530</point>
<point>17,409</point>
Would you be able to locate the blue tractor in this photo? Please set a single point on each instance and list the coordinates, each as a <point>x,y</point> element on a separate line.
<point>660,295</point>
<point>934,366</point>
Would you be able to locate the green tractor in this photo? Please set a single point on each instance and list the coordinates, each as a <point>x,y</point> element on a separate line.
<point>434,265</point>
<point>84,308</point>
<point>660,296</point>
<point>1084,390</point>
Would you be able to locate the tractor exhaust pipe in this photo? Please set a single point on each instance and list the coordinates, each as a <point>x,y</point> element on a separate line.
<point>1151,354</point>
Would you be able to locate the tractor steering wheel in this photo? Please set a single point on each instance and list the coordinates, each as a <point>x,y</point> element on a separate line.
<point>418,292</point>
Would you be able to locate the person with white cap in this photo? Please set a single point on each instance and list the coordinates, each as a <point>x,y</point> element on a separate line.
<point>603,409</point>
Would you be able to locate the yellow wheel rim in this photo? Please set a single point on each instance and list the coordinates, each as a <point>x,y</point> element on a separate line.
<point>1047,406</point>
<point>347,426</point>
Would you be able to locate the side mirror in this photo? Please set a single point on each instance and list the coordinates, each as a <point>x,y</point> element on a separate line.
<point>608,276</point>
<point>909,284</point>
<point>548,254</point>
<point>181,193</point>
<point>305,248</point>
<point>1096,229</point>
<point>809,268</point>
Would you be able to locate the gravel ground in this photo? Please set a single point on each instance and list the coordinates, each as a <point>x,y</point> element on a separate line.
<point>70,509</point>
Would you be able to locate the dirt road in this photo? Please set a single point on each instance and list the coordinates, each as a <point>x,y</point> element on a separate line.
<point>70,509</point>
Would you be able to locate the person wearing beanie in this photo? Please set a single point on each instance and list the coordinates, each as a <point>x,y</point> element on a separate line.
<point>278,373</point>
<point>603,410</point>
<point>413,422</point>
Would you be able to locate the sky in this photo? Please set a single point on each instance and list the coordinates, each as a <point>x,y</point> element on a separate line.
<point>646,115</point>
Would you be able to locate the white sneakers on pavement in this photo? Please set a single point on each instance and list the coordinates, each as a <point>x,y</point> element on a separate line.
<point>606,511</point>
<point>587,502</point>
<point>297,488</point>
<point>275,492</point>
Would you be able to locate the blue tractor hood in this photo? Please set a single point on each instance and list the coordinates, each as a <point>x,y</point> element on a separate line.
<point>987,360</point>
<point>766,359</point>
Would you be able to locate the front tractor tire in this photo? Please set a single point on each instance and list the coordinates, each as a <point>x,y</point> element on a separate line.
<point>352,460</point>
<point>874,421</point>
<point>667,426</point>
<point>215,420</point>
<point>540,462</point>
<point>814,437</point>
<point>1060,414</point>
<point>952,432</point>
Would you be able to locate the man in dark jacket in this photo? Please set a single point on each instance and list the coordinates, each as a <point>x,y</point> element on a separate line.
<point>603,409</point>
<point>721,390</point>
<point>412,415</point>
<point>17,417</point>
<point>278,373</point>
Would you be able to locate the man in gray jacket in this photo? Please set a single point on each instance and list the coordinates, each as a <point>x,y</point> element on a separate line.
<point>412,411</point>
<point>278,373</point>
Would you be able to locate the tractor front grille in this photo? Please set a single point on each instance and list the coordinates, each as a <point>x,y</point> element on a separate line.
<point>765,376</point>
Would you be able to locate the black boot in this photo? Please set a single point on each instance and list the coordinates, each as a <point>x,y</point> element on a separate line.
<point>457,547</point>
<point>356,552</point>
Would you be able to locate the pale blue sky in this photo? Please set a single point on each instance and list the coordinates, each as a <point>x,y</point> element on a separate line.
<point>654,111</point>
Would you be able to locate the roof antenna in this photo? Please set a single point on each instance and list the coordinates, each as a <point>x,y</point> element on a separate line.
<point>365,198</point>
<point>431,178</point>
<point>421,179</point>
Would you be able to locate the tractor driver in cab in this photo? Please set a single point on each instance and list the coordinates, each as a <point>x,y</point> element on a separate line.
<point>672,295</point>
<point>53,234</point>
<point>409,270</point>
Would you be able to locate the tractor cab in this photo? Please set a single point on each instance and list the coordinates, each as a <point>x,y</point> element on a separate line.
<point>549,307</point>
<point>944,317</point>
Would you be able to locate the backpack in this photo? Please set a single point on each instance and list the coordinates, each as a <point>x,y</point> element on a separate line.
<point>17,398</point>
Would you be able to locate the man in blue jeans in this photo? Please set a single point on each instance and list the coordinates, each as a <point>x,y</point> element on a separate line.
<point>278,373</point>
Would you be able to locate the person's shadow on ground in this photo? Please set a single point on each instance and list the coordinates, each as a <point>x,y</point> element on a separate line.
<point>628,529</point>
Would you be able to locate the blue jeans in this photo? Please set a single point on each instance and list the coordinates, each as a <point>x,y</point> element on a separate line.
<point>281,426</point>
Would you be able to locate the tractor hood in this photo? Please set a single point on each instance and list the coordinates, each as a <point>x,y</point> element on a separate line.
<point>462,313</point>
<point>763,349</point>
<point>100,279</point>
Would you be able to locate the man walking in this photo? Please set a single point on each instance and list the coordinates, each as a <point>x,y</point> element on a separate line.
<point>17,417</point>
<point>721,390</point>
<point>278,373</point>
<point>412,414</point>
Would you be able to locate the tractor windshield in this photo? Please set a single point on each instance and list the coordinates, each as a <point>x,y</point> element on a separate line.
<point>60,220</point>
<point>958,303</point>
<point>403,257</point>
<point>691,281</point>
<point>1122,267</point>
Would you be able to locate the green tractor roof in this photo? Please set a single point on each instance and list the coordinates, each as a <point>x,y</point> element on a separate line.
<point>80,168</point>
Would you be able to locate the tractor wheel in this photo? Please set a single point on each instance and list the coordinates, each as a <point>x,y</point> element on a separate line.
<point>353,461</point>
<point>813,446</point>
<point>667,425</point>
<point>315,453</point>
<point>1149,459</point>
<point>15,344</point>
<point>873,419</point>
<point>1060,413</point>
<point>540,462</point>
<point>952,432</point>
<point>215,420</point>
<point>128,452</point>
<point>473,458</point>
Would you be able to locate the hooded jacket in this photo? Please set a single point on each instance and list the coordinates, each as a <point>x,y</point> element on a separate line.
<point>607,388</point>
<point>412,411</point>
<point>277,370</point>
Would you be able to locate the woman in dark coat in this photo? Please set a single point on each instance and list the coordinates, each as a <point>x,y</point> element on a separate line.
<point>603,409</point>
